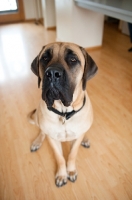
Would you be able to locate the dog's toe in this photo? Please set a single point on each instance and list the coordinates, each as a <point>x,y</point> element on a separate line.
<point>72,176</point>
<point>60,181</point>
<point>35,147</point>
<point>86,144</point>
<point>37,142</point>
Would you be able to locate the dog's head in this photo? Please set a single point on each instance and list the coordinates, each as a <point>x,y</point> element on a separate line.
<point>62,67</point>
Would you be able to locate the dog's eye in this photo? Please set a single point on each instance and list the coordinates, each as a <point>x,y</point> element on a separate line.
<point>73,60</point>
<point>45,58</point>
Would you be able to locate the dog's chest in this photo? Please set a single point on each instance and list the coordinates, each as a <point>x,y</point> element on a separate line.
<point>61,129</point>
<point>67,130</point>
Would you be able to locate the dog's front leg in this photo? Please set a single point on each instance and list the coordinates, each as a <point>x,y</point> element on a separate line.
<point>71,165</point>
<point>61,175</point>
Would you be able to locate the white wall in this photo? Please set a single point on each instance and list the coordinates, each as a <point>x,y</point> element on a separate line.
<point>48,12</point>
<point>63,20</point>
<point>81,26</point>
<point>32,9</point>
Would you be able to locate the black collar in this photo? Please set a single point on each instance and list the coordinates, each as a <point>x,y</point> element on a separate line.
<point>67,115</point>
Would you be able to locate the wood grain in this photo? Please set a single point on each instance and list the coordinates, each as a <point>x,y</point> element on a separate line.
<point>104,170</point>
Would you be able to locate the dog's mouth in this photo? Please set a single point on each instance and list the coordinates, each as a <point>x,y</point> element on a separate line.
<point>57,92</point>
<point>57,86</point>
<point>54,94</point>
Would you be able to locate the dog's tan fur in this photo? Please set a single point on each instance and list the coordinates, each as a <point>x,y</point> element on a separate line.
<point>52,124</point>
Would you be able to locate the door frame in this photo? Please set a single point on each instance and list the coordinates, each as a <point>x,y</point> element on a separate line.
<point>15,16</point>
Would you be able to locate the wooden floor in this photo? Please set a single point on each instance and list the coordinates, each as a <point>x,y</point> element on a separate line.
<point>104,170</point>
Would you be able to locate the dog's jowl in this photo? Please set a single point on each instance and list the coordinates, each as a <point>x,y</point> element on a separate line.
<point>64,112</point>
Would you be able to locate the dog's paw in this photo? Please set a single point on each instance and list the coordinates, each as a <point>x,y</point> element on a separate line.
<point>72,175</point>
<point>37,142</point>
<point>86,143</point>
<point>60,181</point>
<point>35,146</point>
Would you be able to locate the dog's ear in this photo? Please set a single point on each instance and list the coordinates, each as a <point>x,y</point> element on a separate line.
<point>90,68</point>
<point>35,67</point>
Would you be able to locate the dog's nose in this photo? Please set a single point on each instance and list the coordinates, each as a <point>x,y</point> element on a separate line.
<point>54,73</point>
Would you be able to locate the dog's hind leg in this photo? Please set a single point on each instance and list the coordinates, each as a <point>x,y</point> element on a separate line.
<point>85,142</point>
<point>37,142</point>
<point>31,117</point>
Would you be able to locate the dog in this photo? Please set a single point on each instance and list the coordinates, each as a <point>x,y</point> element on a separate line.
<point>65,111</point>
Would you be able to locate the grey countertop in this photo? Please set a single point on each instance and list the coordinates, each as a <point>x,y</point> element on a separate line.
<point>120,9</point>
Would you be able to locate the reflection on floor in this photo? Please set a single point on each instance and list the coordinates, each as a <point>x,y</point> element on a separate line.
<point>16,45</point>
